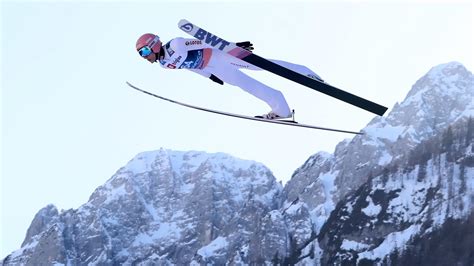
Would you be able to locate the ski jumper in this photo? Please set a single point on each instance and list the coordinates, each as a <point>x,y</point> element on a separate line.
<point>194,55</point>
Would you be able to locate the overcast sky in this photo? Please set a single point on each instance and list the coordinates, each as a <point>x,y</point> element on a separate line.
<point>69,122</point>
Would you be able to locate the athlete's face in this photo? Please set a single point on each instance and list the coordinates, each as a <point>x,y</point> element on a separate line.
<point>147,53</point>
<point>151,58</point>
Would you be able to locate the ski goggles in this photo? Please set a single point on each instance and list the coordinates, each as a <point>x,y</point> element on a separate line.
<point>145,51</point>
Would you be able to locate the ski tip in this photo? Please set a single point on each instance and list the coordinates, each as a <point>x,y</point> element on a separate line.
<point>132,86</point>
<point>182,21</point>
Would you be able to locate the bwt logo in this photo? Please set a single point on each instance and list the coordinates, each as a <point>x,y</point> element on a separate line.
<point>210,39</point>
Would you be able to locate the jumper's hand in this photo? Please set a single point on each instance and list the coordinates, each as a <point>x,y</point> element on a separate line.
<point>246,45</point>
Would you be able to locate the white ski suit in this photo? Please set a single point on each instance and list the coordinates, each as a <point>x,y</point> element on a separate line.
<point>194,55</point>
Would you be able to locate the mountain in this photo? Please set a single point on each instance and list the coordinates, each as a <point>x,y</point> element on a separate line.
<point>394,144</point>
<point>381,198</point>
<point>440,98</point>
<point>162,207</point>
<point>411,198</point>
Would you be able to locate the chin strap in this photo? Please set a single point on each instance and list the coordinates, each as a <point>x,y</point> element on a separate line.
<point>160,54</point>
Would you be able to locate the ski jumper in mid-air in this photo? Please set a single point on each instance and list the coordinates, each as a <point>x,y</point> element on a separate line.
<point>220,67</point>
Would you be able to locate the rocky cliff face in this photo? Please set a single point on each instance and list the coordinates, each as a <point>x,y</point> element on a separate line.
<point>440,98</point>
<point>443,97</point>
<point>379,198</point>
<point>410,198</point>
<point>162,207</point>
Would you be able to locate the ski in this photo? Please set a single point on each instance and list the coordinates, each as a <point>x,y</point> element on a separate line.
<point>216,42</point>
<point>281,122</point>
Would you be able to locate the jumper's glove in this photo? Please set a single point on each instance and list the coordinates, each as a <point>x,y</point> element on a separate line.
<point>216,79</point>
<point>246,45</point>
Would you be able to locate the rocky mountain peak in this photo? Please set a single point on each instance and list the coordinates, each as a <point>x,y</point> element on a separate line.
<point>439,98</point>
<point>45,217</point>
<point>160,198</point>
<point>452,74</point>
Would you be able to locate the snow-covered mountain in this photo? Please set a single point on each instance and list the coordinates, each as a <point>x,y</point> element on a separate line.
<point>440,98</point>
<point>393,148</point>
<point>381,198</point>
<point>162,207</point>
<point>411,198</point>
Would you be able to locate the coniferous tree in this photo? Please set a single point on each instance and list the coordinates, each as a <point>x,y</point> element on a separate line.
<point>470,132</point>
<point>447,140</point>
<point>276,259</point>
<point>394,257</point>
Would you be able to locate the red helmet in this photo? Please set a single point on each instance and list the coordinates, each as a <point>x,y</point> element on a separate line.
<point>149,40</point>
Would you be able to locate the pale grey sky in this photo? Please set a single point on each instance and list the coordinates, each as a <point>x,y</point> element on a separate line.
<point>69,121</point>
